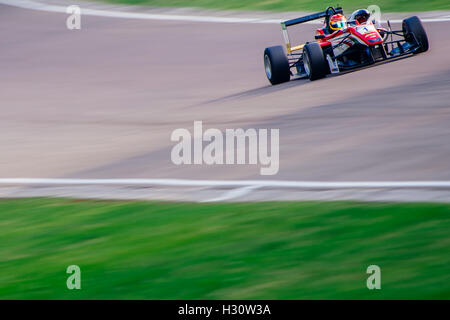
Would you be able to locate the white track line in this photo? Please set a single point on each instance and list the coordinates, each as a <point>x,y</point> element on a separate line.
<point>233,194</point>
<point>34,5</point>
<point>230,183</point>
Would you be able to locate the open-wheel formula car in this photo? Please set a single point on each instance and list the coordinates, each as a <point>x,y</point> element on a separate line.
<point>342,45</point>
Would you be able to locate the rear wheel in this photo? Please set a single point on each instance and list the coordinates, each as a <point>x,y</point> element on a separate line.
<point>316,66</point>
<point>276,65</point>
<point>415,33</point>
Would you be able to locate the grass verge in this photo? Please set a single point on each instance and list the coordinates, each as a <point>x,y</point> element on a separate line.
<point>292,250</point>
<point>297,5</point>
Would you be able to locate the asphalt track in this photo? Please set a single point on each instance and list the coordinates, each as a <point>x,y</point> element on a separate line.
<point>103,101</point>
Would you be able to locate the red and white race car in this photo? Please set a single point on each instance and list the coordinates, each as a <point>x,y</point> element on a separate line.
<point>342,45</point>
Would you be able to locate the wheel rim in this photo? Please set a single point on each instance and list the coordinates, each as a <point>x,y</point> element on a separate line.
<point>306,65</point>
<point>267,66</point>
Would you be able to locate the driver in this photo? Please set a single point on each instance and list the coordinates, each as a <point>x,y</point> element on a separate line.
<point>360,16</point>
<point>335,23</point>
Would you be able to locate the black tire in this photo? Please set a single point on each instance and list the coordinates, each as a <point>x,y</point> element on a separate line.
<point>316,65</point>
<point>413,30</point>
<point>276,65</point>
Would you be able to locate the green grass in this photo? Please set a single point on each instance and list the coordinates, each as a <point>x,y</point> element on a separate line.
<point>297,5</point>
<point>292,250</point>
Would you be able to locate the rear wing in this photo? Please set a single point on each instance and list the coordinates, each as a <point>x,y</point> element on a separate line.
<point>329,11</point>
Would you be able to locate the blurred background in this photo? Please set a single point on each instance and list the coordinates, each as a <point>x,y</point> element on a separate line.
<point>297,5</point>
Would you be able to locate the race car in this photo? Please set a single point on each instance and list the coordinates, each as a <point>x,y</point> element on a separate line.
<point>342,45</point>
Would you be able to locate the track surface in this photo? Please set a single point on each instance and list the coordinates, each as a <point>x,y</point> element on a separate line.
<point>102,102</point>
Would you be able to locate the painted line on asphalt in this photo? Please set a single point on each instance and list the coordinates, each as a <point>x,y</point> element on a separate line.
<point>34,5</point>
<point>230,183</point>
<point>233,194</point>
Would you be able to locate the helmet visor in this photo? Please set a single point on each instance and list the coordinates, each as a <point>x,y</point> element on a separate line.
<point>338,25</point>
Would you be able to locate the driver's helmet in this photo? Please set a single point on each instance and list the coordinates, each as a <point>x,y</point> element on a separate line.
<point>337,22</point>
<point>361,16</point>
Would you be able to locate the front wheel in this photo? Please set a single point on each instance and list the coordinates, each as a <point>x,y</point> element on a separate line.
<point>276,65</point>
<point>316,66</point>
<point>415,33</point>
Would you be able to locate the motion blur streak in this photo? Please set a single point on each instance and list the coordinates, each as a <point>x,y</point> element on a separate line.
<point>34,5</point>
